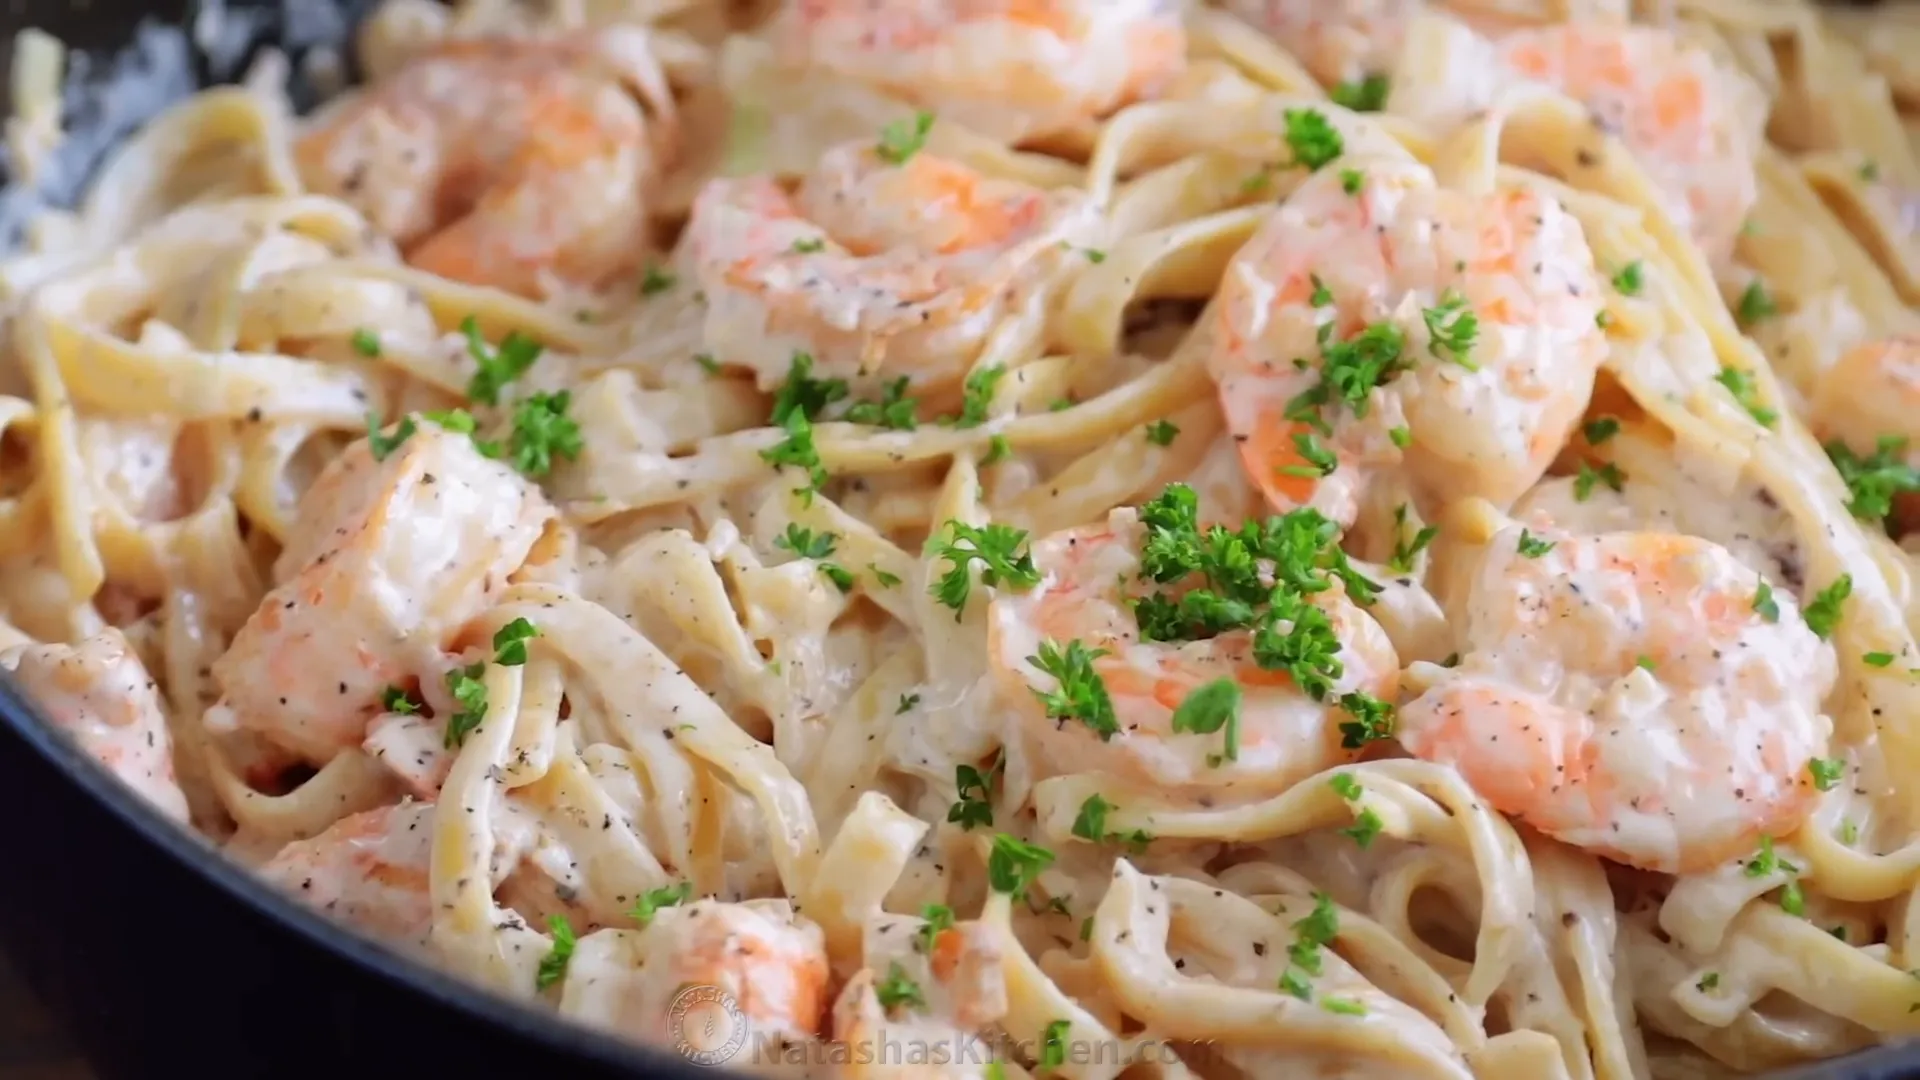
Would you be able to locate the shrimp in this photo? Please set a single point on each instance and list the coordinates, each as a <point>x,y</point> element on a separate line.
<point>957,970</point>
<point>98,693</point>
<point>1012,70</point>
<point>1456,338</point>
<point>872,262</point>
<point>771,963</point>
<point>373,870</point>
<point>1694,127</point>
<point>1870,396</point>
<point>387,561</point>
<point>1632,694</point>
<point>1284,734</point>
<point>503,162</point>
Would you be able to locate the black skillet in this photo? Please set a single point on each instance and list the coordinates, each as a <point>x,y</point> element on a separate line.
<point>161,958</point>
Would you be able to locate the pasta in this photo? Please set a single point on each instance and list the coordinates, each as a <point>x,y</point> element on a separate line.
<point>981,539</point>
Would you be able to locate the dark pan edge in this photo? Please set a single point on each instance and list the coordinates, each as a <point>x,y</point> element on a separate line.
<point>157,950</point>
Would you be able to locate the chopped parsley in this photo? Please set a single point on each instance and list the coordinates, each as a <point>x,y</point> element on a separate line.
<point>1081,694</point>
<point>1365,828</point>
<point>802,393</point>
<point>495,368</point>
<point>1878,659</point>
<point>1823,612</point>
<point>1345,786</point>
<point>1321,295</point>
<point>1365,95</point>
<point>1310,934</point>
<point>553,966</point>
<point>656,281</point>
<point>1053,1045</point>
<point>1826,772</point>
<point>977,395</point>
<point>1313,140</point>
<point>1630,279</point>
<point>1352,180</point>
<point>1405,551</point>
<point>995,546</point>
<point>998,450</point>
<point>1764,605</point>
<point>1874,481</point>
<point>885,579</point>
<point>897,990</point>
<point>797,449</point>
<point>380,445</point>
<point>396,700</point>
<point>1870,171</point>
<point>1095,255</point>
<point>510,642</point>
<point>1708,982</point>
<point>907,702</point>
<point>806,543</point>
<point>1644,662</point>
<point>1754,304</point>
<point>1767,862</point>
<point>1532,546</point>
<point>1608,474</point>
<point>1091,822</point>
<point>542,429</point>
<point>1162,432</point>
<point>1013,864</point>
<point>1600,429</point>
<point>1349,372</point>
<point>975,806</point>
<point>651,901</point>
<point>1740,384</point>
<point>366,342</point>
<point>938,919</point>
<point>1792,900</point>
<point>808,245</point>
<point>1344,1006</point>
<point>895,410</point>
<point>707,363</point>
<point>465,684</point>
<point>1451,329</point>
<point>1401,437</point>
<point>1211,708</point>
<point>902,139</point>
<point>841,577</point>
<point>1320,461</point>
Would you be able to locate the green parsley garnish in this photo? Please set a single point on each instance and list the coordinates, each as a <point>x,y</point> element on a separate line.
<point>1875,480</point>
<point>1629,280</point>
<point>510,642</point>
<point>656,281</point>
<point>1451,329</point>
<point>707,363</point>
<point>1365,828</point>
<point>366,342</point>
<point>1764,605</point>
<point>805,543</point>
<point>1162,432</point>
<point>495,368</point>
<point>939,919</point>
<point>553,966</point>
<point>1766,862</point>
<point>977,395</point>
<point>907,702</point>
<point>1345,786</point>
<point>995,546</point>
<point>895,410</point>
<point>1366,95</point>
<point>1321,295</point>
<point>1878,659</point>
<point>1313,140</point>
<point>396,700</point>
<point>1532,546</point>
<point>1310,934</point>
<point>461,422</point>
<point>651,901</point>
<point>797,449</point>
<point>1344,1006</point>
<point>802,393</point>
<point>1608,474</point>
<point>1320,461</point>
<point>1349,372</point>
<point>975,806</point>
<point>1401,437</point>
<point>1849,832</point>
<point>1708,982</point>
<point>1211,708</point>
<point>1091,822</point>
<point>1823,612</point>
<point>1095,255</point>
<point>841,577</point>
<point>1755,304</point>
<point>1792,900</point>
<point>1740,384</point>
<point>1352,180</point>
<point>380,445</point>
<point>541,429</point>
<point>1826,772</point>
<point>1053,1045</point>
<point>808,245</point>
<point>465,685</point>
<point>1406,551</point>
<point>1644,662</point>
<point>897,990</point>
<point>998,450</point>
<point>885,579</point>
<point>1870,171</point>
<point>902,139</point>
<point>1600,429</point>
<point>1013,864</point>
<point>1081,694</point>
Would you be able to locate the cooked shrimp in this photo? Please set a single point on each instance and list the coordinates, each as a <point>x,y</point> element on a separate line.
<point>1008,69</point>
<point>372,870</point>
<point>1284,734</point>
<point>505,162</point>
<point>388,560</point>
<point>961,989</point>
<point>1377,284</point>
<point>871,262</point>
<point>1622,693</point>
<point>1694,127</point>
<point>771,962</point>
<point>98,692</point>
<point>1869,395</point>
